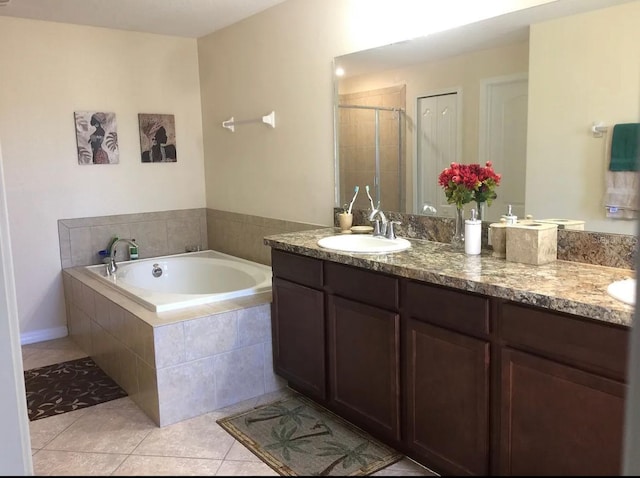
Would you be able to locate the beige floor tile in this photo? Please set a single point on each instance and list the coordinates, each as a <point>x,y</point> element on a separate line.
<point>392,472</point>
<point>46,429</point>
<point>119,403</point>
<point>245,468</point>
<point>239,452</point>
<point>249,404</point>
<point>34,358</point>
<point>198,437</point>
<point>105,430</point>
<point>71,463</point>
<point>405,467</point>
<point>273,396</point>
<point>167,466</point>
<point>60,344</point>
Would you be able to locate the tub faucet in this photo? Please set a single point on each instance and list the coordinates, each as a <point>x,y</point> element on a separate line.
<point>111,265</point>
<point>380,227</point>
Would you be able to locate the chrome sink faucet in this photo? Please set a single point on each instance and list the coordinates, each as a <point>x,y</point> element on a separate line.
<point>383,226</point>
<point>111,265</point>
<point>380,225</point>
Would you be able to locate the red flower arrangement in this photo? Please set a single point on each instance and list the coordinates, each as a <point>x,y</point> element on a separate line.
<point>464,183</point>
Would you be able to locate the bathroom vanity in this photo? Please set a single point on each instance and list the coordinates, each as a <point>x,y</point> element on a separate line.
<point>471,365</point>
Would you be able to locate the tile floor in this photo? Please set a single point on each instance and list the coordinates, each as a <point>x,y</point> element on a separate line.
<point>116,438</point>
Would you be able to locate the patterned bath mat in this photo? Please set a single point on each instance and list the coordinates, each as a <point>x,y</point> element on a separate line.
<point>67,386</point>
<point>297,437</point>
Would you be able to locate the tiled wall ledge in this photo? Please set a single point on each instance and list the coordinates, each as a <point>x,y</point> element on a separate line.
<point>157,233</point>
<point>241,235</point>
<point>597,248</point>
<point>169,232</point>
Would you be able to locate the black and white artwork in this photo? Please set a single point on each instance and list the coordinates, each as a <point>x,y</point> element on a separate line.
<point>97,137</point>
<point>157,138</point>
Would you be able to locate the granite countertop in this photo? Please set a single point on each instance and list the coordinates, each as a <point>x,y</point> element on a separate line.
<point>570,287</point>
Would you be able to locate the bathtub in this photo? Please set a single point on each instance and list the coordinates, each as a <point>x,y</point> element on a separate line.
<point>185,280</point>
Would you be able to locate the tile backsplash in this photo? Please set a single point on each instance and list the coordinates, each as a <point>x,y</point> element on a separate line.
<point>157,234</point>
<point>242,235</point>
<point>171,232</point>
<point>604,249</point>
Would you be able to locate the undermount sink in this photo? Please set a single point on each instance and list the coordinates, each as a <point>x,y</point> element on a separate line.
<point>623,290</point>
<point>364,243</point>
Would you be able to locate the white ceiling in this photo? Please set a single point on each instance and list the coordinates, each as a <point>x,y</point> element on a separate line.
<point>185,18</point>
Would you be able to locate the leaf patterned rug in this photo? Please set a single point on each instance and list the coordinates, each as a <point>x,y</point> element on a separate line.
<point>67,386</point>
<point>298,437</point>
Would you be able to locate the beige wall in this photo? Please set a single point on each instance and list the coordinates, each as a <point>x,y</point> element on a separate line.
<point>50,70</point>
<point>270,62</point>
<point>603,84</point>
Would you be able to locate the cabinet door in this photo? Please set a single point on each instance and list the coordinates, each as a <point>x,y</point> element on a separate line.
<point>364,366</point>
<point>558,420</point>
<point>298,327</point>
<point>447,399</point>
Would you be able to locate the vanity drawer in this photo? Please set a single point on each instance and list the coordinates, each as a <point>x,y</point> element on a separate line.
<point>373,288</point>
<point>588,344</point>
<point>301,269</point>
<point>453,309</point>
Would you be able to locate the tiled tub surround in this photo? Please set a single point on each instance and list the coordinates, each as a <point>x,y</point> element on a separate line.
<point>177,364</point>
<point>564,286</point>
<point>162,233</point>
<point>158,234</point>
<point>242,235</point>
<point>597,248</point>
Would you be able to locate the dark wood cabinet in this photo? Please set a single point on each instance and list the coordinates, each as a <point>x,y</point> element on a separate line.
<point>562,394</point>
<point>298,326</point>
<point>364,348</point>
<point>558,420</point>
<point>364,364</point>
<point>447,379</point>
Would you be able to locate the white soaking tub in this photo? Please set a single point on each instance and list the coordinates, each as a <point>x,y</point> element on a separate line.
<point>183,280</point>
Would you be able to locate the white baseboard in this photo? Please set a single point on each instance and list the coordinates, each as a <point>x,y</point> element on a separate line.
<point>43,335</point>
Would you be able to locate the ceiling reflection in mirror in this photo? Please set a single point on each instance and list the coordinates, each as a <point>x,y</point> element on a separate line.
<point>522,90</point>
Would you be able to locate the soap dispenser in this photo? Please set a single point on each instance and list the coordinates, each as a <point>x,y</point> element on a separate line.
<point>509,218</point>
<point>472,234</point>
<point>133,251</point>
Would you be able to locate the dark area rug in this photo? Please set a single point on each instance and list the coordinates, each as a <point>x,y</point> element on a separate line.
<point>298,437</point>
<point>68,386</point>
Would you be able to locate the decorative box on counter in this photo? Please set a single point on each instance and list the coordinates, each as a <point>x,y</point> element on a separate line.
<point>572,224</point>
<point>532,243</point>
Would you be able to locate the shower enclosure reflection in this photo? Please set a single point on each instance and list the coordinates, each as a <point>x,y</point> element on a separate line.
<point>371,128</point>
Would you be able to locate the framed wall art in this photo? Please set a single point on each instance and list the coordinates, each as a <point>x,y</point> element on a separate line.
<point>157,138</point>
<point>97,137</point>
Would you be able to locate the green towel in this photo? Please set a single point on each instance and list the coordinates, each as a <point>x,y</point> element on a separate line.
<point>625,147</point>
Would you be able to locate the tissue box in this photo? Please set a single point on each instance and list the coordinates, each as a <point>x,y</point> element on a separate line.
<point>532,243</point>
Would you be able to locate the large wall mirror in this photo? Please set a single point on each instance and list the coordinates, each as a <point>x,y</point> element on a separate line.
<point>522,90</point>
